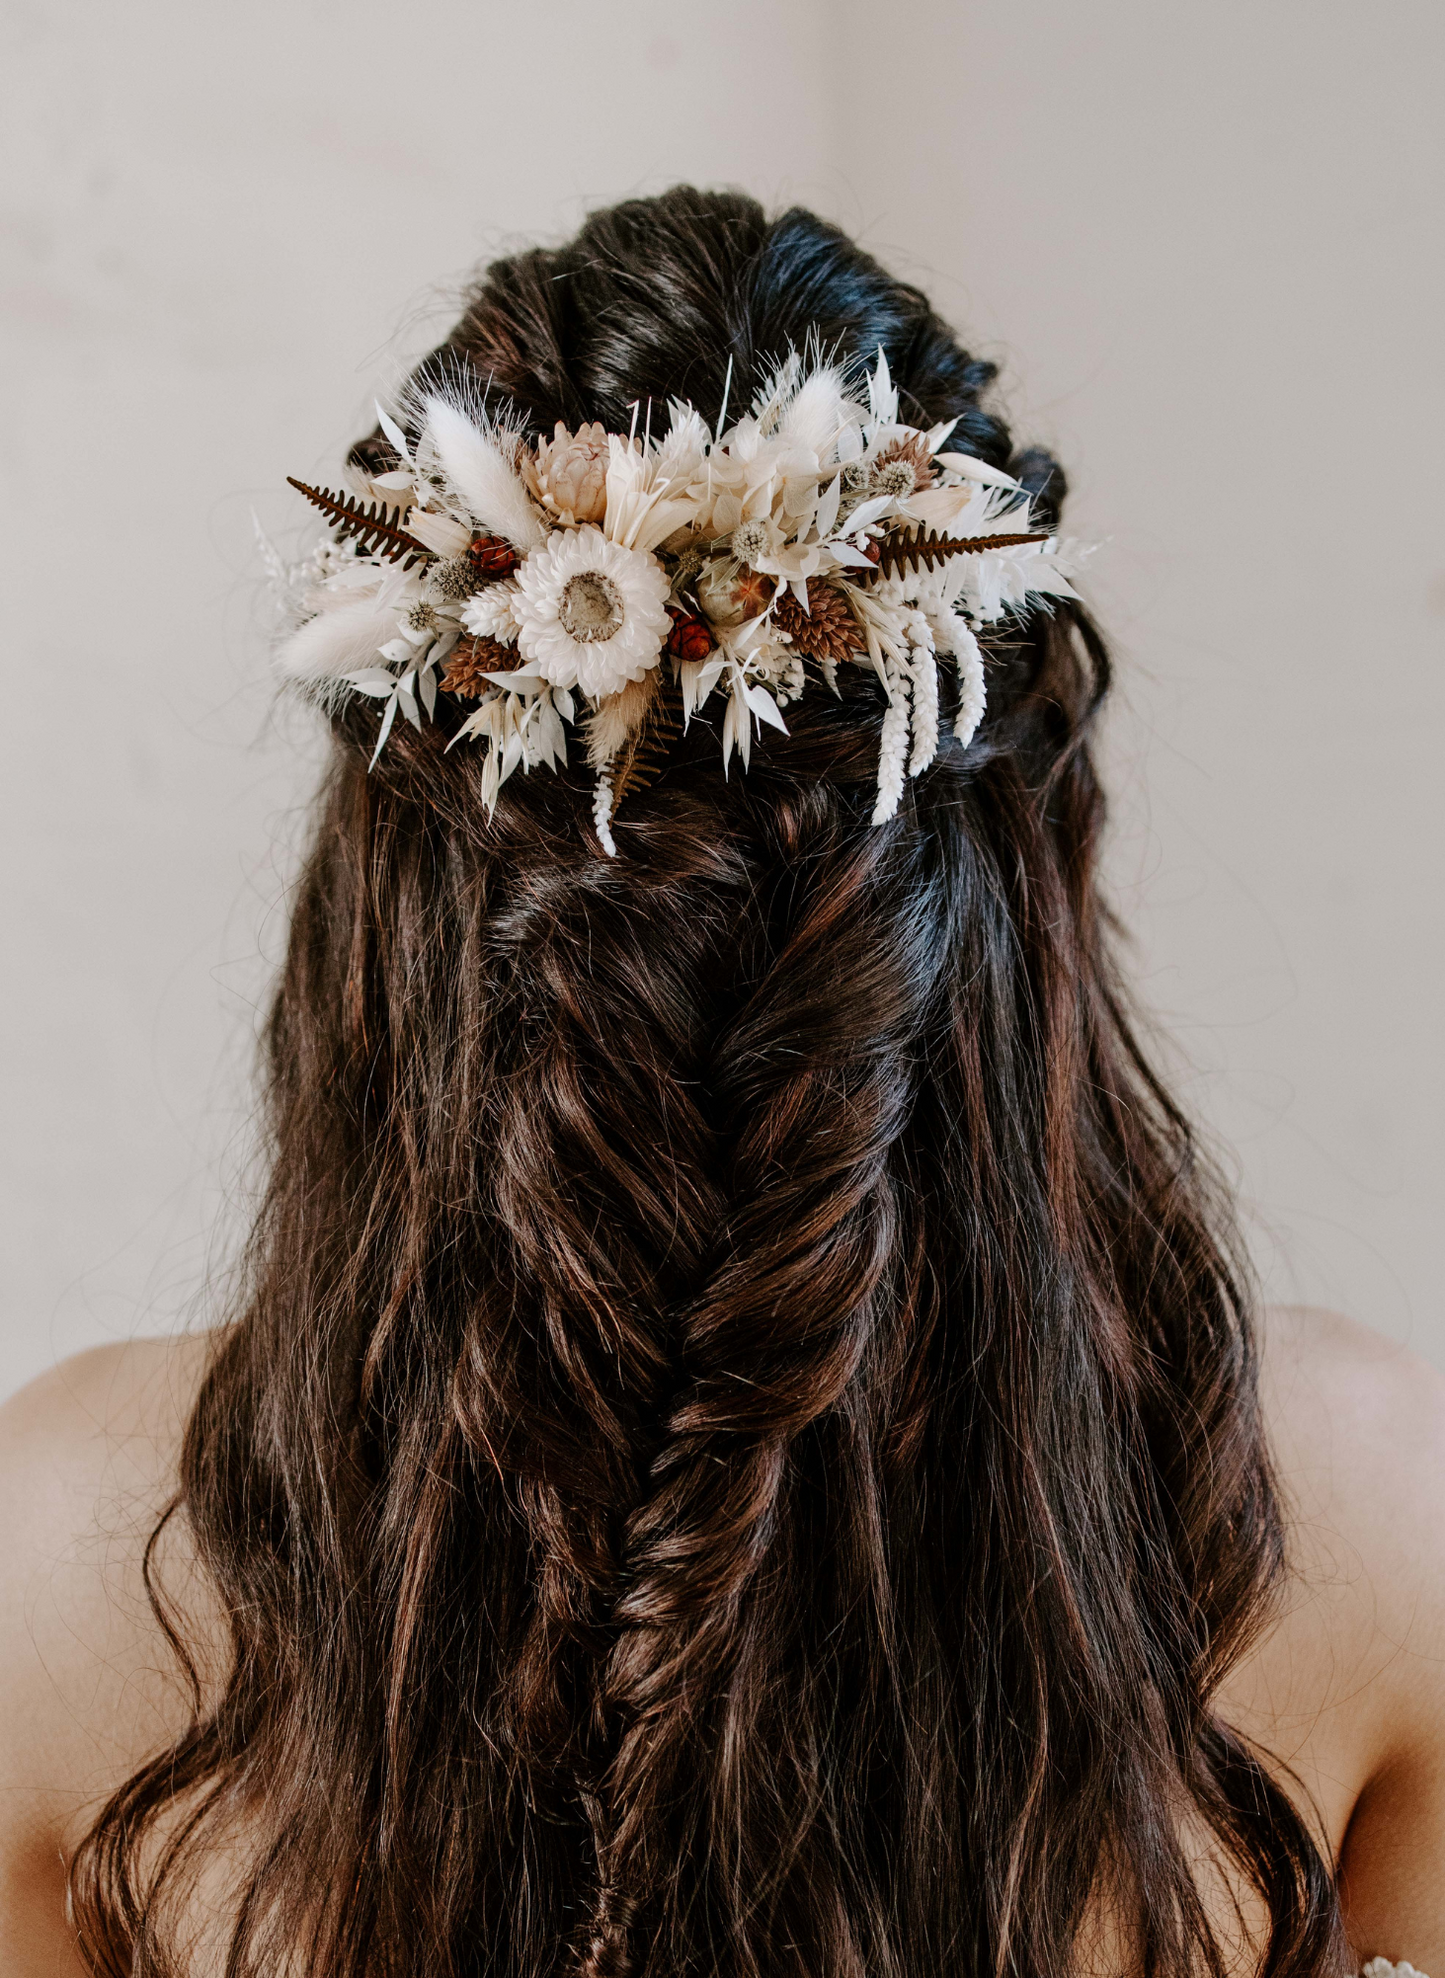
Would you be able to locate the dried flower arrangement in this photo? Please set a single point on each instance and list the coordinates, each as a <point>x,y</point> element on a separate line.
<point>552,581</point>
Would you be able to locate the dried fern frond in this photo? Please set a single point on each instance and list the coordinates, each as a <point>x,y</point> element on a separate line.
<point>645,756</point>
<point>377,528</point>
<point>927,552</point>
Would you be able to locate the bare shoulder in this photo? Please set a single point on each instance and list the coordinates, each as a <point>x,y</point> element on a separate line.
<point>88,1687</point>
<point>1357,1427</point>
<point>1348,1687</point>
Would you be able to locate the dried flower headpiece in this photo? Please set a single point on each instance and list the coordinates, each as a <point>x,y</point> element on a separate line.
<point>562,581</point>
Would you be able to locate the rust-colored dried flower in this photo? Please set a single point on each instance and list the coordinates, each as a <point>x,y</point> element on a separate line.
<point>571,473</point>
<point>690,637</point>
<point>826,630</point>
<point>471,661</point>
<point>753,591</point>
<point>492,555</point>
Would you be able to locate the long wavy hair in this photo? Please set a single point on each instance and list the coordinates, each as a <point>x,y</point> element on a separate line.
<point>739,1454</point>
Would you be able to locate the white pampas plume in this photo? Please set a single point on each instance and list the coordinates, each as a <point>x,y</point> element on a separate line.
<point>818,412</point>
<point>617,719</point>
<point>336,641</point>
<point>481,473</point>
<point>892,742</point>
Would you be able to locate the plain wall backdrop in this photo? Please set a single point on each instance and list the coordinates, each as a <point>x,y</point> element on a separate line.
<point>1203,243</point>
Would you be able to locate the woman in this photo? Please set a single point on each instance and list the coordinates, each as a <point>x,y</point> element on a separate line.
<point>745,1448</point>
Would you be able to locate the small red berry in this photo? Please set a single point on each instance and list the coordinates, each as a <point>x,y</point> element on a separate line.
<point>492,555</point>
<point>689,638</point>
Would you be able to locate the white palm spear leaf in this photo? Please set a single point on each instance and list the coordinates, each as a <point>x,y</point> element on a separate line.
<point>483,475</point>
<point>976,470</point>
<point>882,394</point>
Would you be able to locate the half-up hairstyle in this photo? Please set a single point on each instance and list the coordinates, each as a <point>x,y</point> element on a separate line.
<point>739,1457</point>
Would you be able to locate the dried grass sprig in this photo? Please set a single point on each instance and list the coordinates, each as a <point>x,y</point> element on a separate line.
<point>645,756</point>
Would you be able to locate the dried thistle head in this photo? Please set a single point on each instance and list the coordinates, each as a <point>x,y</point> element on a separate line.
<point>902,467</point>
<point>455,579</point>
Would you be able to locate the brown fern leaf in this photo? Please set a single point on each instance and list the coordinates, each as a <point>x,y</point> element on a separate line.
<point>924,552</point>
<point>377,529</point>
<point>646,755</point>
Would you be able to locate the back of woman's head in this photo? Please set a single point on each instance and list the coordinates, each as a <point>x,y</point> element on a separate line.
<point>740,1455</point>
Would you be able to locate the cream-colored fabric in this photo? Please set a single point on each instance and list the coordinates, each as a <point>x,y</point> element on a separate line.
<point>1381,1967</point>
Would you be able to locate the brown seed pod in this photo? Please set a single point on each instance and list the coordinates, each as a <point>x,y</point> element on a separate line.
<point>471,661</point>
<point>826,630</point>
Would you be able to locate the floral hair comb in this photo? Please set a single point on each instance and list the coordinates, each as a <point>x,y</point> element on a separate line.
<point>560,582</point>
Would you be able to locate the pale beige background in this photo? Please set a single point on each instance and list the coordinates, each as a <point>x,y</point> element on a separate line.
<point>1202,240</point>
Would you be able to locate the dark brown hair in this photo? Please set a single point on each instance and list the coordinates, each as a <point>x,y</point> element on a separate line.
<point>740,1454</point>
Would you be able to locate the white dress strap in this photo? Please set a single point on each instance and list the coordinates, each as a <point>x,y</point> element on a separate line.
<point>1381,1967</point>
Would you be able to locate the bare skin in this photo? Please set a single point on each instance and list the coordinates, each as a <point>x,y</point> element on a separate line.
<point>1346,1689</point>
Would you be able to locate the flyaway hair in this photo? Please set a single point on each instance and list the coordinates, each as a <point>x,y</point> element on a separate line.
<point>738,1455</point>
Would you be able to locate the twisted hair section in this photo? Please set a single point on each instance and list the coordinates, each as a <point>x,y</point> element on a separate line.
<point>739,1454</point>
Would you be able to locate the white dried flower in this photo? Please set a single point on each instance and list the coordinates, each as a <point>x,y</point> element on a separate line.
<point>755,539</point>
<point>454,579</point>
<point>895,479</point>
<point>925,710</point>
<point>492,613</point>
<point>788,686</point>
<point>972,688</point>
<point>571,473</point>
<point>591,613</point>
<point>602,813</point>
<point>892,744</point>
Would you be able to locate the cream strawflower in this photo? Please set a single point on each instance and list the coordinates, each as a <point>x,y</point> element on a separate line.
<point>590,613</point>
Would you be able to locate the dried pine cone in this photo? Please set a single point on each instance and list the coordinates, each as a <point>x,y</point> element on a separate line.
<point>471,661</point>
<point>826,630</point>
<point>492,556</point>
<point>689,637</point>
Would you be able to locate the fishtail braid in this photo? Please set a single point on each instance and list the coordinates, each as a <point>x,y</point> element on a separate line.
<point>599,1166</point>
<point>813,1082</point>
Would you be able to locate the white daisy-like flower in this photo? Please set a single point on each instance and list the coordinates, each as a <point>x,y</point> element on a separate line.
<point>590,613</point>
<point>492,613</point>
